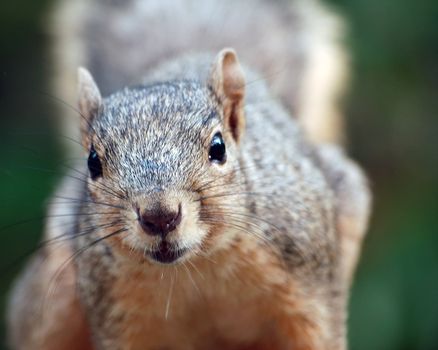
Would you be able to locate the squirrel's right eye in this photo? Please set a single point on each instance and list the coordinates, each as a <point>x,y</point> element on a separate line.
<point>94,164</point>
<point>217,152</point>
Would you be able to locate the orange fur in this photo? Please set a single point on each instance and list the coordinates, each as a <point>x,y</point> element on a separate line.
<point>46,308</point>
<point>250,302</point>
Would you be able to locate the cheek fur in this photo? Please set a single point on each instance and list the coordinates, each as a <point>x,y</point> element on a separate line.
<point>191,232</point>
<point>220,199</point>
<point>221,226</point>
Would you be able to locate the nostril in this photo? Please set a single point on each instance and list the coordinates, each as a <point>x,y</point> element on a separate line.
<point>159,222</point>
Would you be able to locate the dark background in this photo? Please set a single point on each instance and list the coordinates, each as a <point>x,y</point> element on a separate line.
<point>392,114</point>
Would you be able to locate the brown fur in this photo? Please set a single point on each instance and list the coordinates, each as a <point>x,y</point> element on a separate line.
<point>47,318</point>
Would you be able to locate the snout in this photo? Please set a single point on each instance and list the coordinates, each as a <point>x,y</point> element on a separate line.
<point>167,228</point>
<point>160,221</point>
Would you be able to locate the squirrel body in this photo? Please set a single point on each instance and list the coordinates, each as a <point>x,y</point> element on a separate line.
<point>207,218</point>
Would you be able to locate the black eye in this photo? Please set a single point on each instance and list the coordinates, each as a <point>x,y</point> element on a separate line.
<point>217,149</point>
<point>94,164</point>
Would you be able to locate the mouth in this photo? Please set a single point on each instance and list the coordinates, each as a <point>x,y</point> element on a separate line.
<point>165,254</point>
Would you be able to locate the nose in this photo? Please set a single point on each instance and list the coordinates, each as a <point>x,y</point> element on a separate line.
<point>160,222</point>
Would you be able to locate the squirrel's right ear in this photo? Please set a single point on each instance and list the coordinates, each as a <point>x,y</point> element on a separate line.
<point>89,102</point>
<point>227,82</point>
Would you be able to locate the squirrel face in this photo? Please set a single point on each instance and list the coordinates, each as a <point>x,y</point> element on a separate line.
<point>160,156</point>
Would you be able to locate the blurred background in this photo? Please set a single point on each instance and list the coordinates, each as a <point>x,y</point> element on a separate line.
<point>392,111</point>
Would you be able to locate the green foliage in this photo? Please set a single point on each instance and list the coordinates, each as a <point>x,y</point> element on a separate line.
<point>392,110</point>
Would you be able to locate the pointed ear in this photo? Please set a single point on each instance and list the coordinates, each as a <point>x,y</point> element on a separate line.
<point>227,82</point>
<point>89,102</point>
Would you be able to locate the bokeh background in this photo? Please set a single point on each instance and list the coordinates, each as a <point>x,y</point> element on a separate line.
<point>392,114</point>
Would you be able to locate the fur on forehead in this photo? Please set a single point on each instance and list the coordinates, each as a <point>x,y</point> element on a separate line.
<point>152,133</point>
<point>168,104</point>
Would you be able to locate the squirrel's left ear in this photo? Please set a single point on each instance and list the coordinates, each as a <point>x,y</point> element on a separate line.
<point>89,102</point>
<point>227,82</point>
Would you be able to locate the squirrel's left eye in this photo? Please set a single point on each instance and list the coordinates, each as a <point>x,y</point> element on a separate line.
<point>94,164</point>
<point>217,152</point>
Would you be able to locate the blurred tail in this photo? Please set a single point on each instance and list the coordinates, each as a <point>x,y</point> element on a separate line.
<point>326,76</point>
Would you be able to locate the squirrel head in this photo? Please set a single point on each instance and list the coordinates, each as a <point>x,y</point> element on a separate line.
<point>161,157</point>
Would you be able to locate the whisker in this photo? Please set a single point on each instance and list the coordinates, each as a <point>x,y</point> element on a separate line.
<point>253,181</point>
<point>235,213</point>
<point>101,185</point>
<point>231,194</point>
<point>196,269</point>
<point>55,277</point>
<point>83,180</point>
<point>169,297</point>
<point>45,133</point>
<point>78,200</point>
<point>22,222</point>
<point>73,235</point>
<point>58,239</point>
<point>189,274</point>
<point>65,103</point>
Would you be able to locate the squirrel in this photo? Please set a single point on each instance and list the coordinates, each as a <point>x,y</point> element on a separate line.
<point>206,216</point>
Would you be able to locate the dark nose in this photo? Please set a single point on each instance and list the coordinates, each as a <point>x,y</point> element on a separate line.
<point>160,222</point>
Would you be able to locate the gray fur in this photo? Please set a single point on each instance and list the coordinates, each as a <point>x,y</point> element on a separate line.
<point>145,33</point>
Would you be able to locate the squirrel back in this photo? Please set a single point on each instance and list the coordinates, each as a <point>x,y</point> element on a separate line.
<point>294,45</point>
